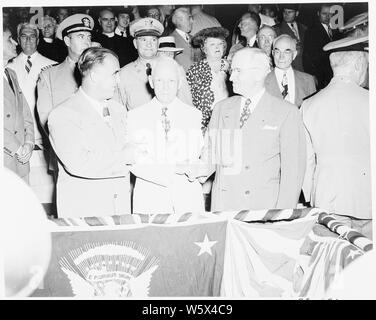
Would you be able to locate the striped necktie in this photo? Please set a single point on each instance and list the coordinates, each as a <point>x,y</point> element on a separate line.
<point>285,86</point>
<point>245,113</point>
<point>165,122</point>
<point>330,33</point>
<point>28,64</point>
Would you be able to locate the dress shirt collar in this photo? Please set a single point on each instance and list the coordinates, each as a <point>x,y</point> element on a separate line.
<point>48,40</point>
<point>109,35</point>
<point>251,41</point>
<point>255,99</point>
<point>279,73</point>
<point>169,106</point>
<point>32,57</point>
<point>118,31</point>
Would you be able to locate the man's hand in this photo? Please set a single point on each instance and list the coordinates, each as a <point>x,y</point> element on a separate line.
<point>24,154</point>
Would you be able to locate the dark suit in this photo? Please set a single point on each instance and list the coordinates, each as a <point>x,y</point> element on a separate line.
<point>315,60</point>
<point>304,86</point>
<point>189,55</point>
<point>56,50</point>
<point>18,124</point>
<point>122,46</point>
<point>283,28</point>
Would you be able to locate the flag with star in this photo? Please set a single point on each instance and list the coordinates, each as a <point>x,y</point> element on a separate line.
<point>266,253</point>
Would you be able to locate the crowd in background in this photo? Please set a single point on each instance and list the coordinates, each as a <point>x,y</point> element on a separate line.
<point>208,53</point>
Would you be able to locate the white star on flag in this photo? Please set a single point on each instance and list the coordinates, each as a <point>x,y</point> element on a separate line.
<point>206,245</point>
<point>354,253</point>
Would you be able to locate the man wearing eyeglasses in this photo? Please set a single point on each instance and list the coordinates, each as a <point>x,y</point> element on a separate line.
<point>28,65</point>
<point>265,37</point>
<point>255,142</point>
<point>284,81</point>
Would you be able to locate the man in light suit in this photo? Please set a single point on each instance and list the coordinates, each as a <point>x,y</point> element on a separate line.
<point>170,132</point>
<point>295,29</point>
<point>18,121</point>
<point>255,143</point>
<point>284,81</point>
<point>88,133</point>
<point>338,177</point>
<point>28,65</point>
<point>182,20</point>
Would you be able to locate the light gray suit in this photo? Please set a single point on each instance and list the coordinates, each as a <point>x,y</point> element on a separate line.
<point>189,55</point>
<point>270,164</point>
<point>304,86</point>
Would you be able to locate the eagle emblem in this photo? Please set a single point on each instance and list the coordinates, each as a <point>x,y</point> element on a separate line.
<point>109,270</point>
<point>86,22</point>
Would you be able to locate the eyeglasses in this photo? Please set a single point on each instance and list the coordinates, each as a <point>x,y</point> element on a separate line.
<point>30,37</point>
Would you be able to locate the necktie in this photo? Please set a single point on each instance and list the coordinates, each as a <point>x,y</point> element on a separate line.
<point>296,33</point>
<point>122,33</point>
<point>28,64</point>
<point>9,79</point>
<point>245,113</point>
<point>285,86</point>
<point>330,33</point>
<point>148,69</point>
<point>187,37</point>
<point>106,115</point>
<point>165,122</point>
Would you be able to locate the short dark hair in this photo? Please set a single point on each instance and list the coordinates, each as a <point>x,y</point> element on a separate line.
<point>91,57</point>
<point>125,10</point>
<point>254,16</point>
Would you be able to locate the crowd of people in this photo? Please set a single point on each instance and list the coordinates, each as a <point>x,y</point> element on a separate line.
<point>160,109</point>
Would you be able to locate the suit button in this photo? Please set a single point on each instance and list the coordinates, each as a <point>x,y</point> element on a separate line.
<point>247,168</point>
<point>8,115</point>
<point>247,192</point>
<point>15,132</point>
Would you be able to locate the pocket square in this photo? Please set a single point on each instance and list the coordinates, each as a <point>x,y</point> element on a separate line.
<point>267,127</point>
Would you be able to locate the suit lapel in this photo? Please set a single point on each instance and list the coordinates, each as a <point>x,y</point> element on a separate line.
<point>272,84</point>
<point>299,92</point>
<point>231,114</point>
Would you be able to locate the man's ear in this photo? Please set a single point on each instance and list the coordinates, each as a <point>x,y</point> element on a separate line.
<point>295,54</point>
<point>297,13</point>
<point>151,82</point>
<point>67,41</point>
<point>135,43</point>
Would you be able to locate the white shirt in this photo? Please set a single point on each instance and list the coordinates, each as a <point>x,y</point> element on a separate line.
<point>251,41</point>
<point>265,20</point>
<point>183,34</point>
<point>48,40</point>
<point>110,35</point>
<point>290,82</point>
<point>118,31</point>
<point>255,99</point>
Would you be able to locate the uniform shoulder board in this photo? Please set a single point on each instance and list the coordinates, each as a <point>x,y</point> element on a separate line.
<point>49,66</point>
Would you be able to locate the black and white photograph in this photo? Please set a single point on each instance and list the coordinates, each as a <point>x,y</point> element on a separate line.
<point>168,150</point>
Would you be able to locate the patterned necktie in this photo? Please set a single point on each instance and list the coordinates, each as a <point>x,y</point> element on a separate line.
<point>330,33</point>
<point>285,86</point>
<point>165,122</point>
<point>28,64</point>
<point>296,33</point>
<point>245,113</point>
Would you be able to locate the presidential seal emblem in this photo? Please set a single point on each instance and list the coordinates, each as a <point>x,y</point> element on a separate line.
<point>109,270</point>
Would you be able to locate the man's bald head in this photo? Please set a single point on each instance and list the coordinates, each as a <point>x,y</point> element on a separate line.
<point>265,38</point>
<point>165,79</point>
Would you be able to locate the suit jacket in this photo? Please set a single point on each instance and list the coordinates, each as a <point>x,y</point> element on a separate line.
<point>28,82</point>
<point>304,86</point>
<point>338,177</point>
<point>283,28</point>
<point>55,85</point>
<point>315,60</point>
<point>18,124</point>
<point>189,55</point>
<point>158,188</point>
<point>56,50</point>
<point>260,166</point>
<point>93,177</point>
<point>122,46</point>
